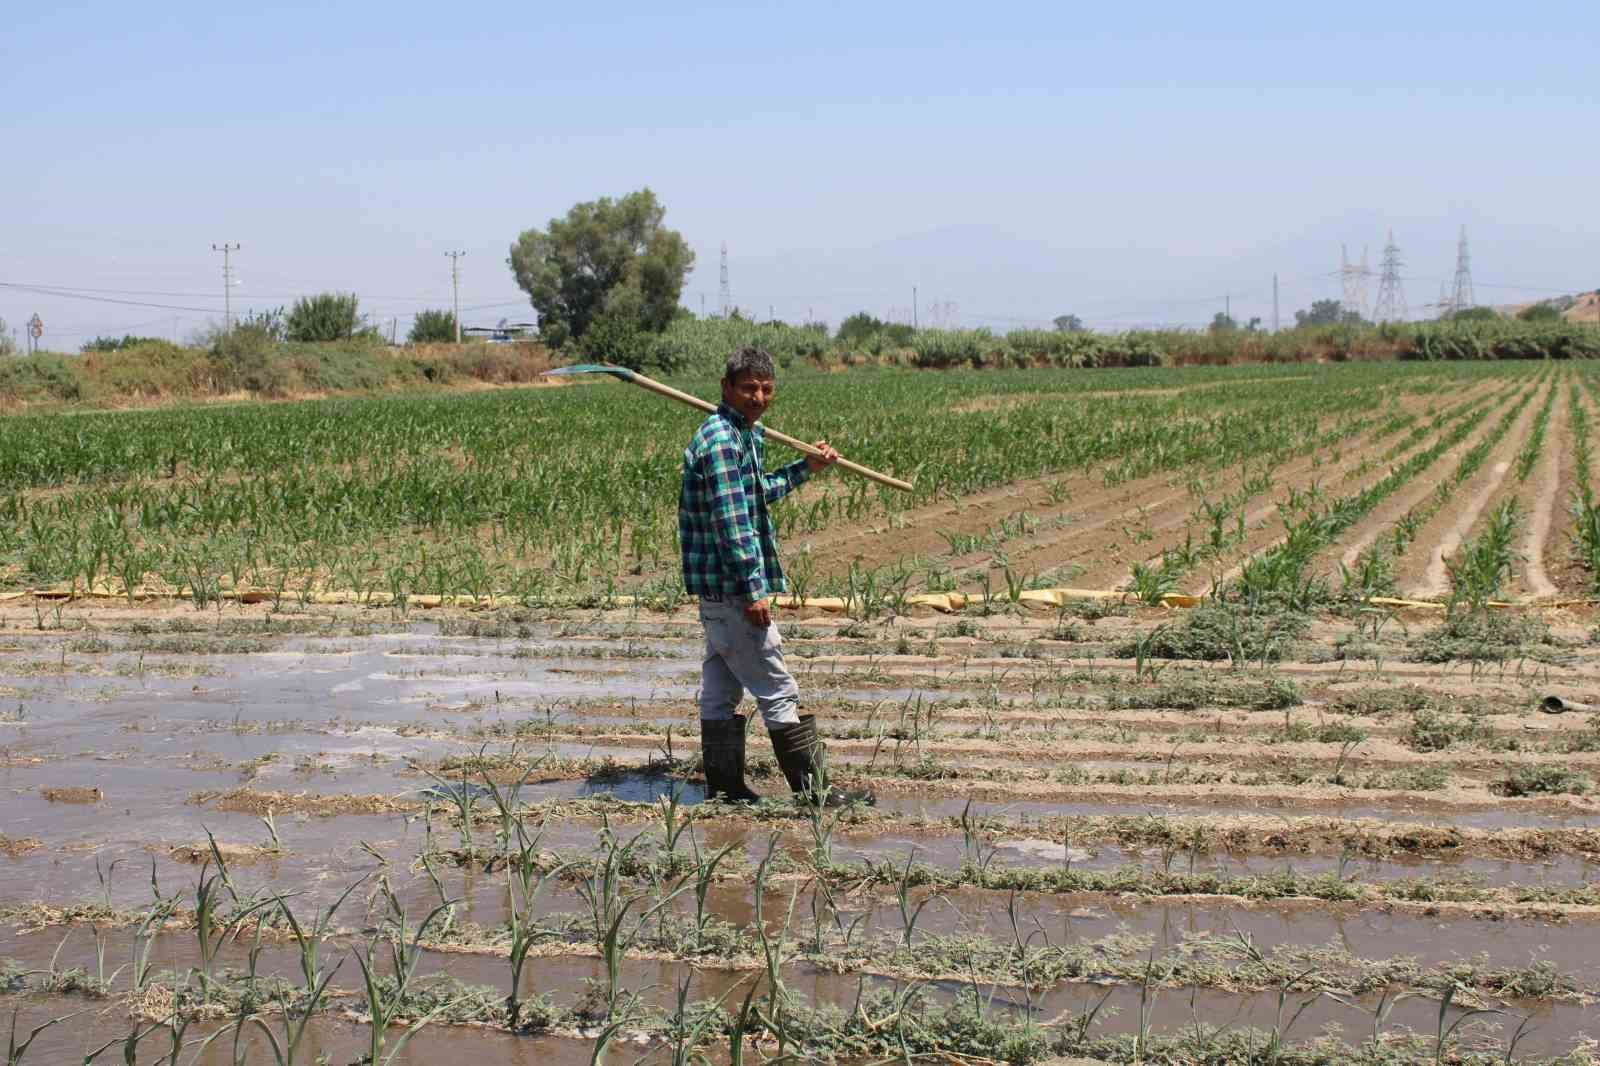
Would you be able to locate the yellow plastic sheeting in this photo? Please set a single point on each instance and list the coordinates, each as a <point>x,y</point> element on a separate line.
<point>947,602</point>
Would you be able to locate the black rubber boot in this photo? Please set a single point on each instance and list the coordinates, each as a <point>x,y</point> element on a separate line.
<point>722,752</point>
<point>804,762</point>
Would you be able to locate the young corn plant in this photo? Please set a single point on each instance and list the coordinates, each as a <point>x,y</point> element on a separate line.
<point>705,874</point>
<point>211,927</point>
<point>909,913</point>
<point>610,910</point>
<point>17,1050</point>
<point>507,801</point>
<point>386,996</point>
<point>1151,583</point>
<point>1444,1033</point>
<point>524,883</point>
<point>775,1015</point>
<point>1480,570</point>
<point>463,795</point>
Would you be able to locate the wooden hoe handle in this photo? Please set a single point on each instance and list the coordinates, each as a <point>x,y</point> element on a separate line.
<point>798,445</point>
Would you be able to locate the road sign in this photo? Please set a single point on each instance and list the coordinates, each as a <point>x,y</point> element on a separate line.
<point>35,327</point>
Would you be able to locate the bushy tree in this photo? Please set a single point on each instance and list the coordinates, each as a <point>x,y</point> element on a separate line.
<point>1068,324</point>
<point>7,345</point>
<point>606,257</point>
<point>1474,314</point>
<point>1222,322</point>
<point>117,344</point>
<point>858,327</point>
<point>327,316</point>
<point>616,339</point>
<point>267,324</point>
<point>433,327</point>
<point>1542,312</point>
<point>1327,313</point>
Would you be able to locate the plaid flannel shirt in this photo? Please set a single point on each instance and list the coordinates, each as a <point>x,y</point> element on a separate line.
<point>729,546</point>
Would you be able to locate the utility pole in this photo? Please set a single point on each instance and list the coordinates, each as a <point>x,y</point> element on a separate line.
<point>914,308</point>
<point>455,289</point>
<point>702,305</point>
<point>227,251</point>
<point>1274,303</point>
<point>724,292</point>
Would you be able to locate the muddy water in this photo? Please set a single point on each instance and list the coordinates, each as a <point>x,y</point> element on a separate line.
<point>1018,849</point>
<point>1501,816</point>
<point>563,979</point>
<point>326,1040</point>
<point>336,716</point>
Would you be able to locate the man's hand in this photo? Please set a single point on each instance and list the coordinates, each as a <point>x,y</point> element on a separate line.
<point>819,463</point>
<point>759,613</point>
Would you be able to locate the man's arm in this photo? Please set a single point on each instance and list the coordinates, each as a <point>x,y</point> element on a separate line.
<point>786,479</point>
<point>730,517</point>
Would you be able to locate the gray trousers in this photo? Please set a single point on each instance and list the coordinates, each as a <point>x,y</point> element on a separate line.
<point>740,657</point>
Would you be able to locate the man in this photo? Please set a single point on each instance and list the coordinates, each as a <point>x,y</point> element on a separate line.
<point>730,562</point>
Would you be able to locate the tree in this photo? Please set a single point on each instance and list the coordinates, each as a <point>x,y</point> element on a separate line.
<point>858,327</point>
<point>433,327</point>
<point>117,344</point>
<point>327,316</point>
<point>1540,313</point>
<point>1474,314</point>
<point>1069,324</point>
<point>1222,322</point>
<point>7,345</point>
<point>607,257</point>
<point>1327,313</point>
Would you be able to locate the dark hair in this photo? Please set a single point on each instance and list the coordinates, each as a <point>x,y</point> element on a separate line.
<point>749,359</point>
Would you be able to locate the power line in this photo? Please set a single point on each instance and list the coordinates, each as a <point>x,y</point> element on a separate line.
<point>42,291</point>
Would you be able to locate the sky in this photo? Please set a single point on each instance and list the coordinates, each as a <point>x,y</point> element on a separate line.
<point>1000,164</point>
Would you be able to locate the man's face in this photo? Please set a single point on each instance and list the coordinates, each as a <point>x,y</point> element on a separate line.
<point>748,394</point>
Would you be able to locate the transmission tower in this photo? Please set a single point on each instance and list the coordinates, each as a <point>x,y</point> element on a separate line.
<point>1354,279</point>
<point>725,294</point>
<point>1445,305</point>
<point>1391,305</point>
<point>1463,294</point>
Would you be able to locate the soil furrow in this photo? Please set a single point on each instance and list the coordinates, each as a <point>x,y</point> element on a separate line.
<point>1100,546</point>
<point>1346,549</point>
<point>1264,537</point>
<point>1539,499</point>
<point>1421,573</point>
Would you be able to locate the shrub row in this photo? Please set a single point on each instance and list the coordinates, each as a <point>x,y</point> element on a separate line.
<point>701,344</point>
<point>160,370</point>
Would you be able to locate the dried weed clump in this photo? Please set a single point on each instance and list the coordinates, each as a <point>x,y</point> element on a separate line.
<point>17,847</point>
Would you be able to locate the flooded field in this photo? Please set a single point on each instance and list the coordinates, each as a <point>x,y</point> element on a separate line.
<point>214,821</point>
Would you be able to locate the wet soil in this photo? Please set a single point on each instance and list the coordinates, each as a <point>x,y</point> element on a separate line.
<point>306,756</point>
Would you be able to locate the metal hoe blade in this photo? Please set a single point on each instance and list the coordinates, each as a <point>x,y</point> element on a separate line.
<point>591,368</point>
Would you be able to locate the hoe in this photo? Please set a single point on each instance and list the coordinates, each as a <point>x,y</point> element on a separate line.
<point>671,393</point>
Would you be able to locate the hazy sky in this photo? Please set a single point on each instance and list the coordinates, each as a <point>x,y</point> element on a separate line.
<point>1133,163</point>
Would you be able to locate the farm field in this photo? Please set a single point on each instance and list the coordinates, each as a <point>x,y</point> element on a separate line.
<point>320,716</point>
